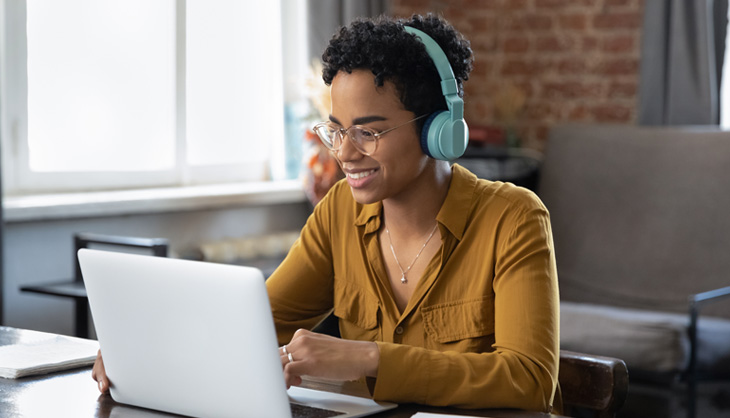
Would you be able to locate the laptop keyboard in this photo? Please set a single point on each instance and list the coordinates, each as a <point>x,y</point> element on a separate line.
<point>304,411</point>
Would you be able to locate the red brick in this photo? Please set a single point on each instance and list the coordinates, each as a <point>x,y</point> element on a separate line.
<point>628,20</point>
<point>541,133</point>
<point>481,24</point>
<point>578,113</point>
<point>570,90</point>
<point>482,69</point>
<point>551,3</point>
<point>478,89</point>
<point>573,21</point>
<point>517,67</point>
<point>515,4</point>
<point>455,16</point>
<point>524,67</point>
<point>526,87</point>
<point>514,23</point>
<point>622,90</point>
<point>484,44</point>
<point>618,44</point>
<point>618,66</point>
<point>540,111</point>
<point>516,44</point>
<point>528,22</point>
<point>478,5</point>
<point>572,66</point>
<point>610,3</point>
<point>611,113</point>
<point>412,3</point>
<point>589,43</point>
<point>554,44</point>
<point>538,22</point>
<point>482,109</point>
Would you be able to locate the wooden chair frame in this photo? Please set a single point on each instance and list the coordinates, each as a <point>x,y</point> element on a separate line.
<point>595,383</point>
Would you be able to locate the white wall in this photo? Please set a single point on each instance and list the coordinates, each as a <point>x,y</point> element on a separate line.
<point>42,251</point>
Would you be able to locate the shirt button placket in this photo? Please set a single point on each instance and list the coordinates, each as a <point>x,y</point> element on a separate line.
<point>398,334</point>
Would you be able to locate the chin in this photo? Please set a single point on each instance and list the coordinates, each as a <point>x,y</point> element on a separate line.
<point>364,198</point>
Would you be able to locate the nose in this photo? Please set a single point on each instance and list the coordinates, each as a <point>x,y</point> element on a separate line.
<point>347,151</point>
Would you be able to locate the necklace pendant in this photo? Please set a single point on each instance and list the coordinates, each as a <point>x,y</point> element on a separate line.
<point>403,279</point>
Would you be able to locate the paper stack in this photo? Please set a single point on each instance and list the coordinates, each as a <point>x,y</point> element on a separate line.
<point>40,353</point>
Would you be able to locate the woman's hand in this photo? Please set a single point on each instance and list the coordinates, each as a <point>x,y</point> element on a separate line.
<point>99,374</point>
<point>313,354</point>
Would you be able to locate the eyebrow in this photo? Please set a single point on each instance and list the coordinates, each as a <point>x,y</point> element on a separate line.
<point>361,120</point>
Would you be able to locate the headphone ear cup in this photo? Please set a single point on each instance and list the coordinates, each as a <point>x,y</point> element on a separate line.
<point>428,135</point>
<point>443,139</point>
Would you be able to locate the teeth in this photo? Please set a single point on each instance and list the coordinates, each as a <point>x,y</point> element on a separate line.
<point>357,176</point>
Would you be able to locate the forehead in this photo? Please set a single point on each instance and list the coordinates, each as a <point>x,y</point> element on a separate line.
<point>356,94</point>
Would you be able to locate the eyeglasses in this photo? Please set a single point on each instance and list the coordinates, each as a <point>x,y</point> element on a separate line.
<point>363,138</point>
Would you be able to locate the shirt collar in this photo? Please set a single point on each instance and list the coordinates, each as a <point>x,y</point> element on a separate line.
<point>453,213</point>
<point>455,210</point>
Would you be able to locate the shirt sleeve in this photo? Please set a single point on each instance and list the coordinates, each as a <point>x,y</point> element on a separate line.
<point>301,288</point>
<point>522,370</point>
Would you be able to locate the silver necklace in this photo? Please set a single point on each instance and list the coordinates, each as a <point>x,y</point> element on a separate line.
<point>403,279</point>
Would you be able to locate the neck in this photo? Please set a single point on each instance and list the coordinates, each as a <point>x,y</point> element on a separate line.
<point>414,211</point>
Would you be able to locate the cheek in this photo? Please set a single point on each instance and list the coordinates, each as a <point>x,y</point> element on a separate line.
<point>408,158</point>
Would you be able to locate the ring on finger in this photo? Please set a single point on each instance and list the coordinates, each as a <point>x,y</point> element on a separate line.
<point>284,350</point>
<point>291,359</point>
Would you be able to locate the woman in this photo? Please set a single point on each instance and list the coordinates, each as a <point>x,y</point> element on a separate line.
<point>444,285</point>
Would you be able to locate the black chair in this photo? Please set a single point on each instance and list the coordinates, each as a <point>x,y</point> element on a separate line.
<point>520,166</point>
<point>594,385</point>
<point>74,288</point>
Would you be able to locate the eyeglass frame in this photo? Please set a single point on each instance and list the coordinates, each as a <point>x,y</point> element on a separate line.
<point>375,134</point>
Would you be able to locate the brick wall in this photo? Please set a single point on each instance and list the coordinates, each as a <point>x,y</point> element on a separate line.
<point>542,62</point>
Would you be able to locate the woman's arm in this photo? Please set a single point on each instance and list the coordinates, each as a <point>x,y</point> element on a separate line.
<point>301,289</point>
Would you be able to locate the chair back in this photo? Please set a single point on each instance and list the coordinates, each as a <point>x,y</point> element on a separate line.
<point>634,208</point>
<point>592,383</point>
<point>157,246</point>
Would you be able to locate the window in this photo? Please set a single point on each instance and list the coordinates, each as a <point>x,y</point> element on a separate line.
<point>100,94</point>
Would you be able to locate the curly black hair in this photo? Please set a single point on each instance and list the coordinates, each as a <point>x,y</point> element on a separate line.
<point>382,46</point>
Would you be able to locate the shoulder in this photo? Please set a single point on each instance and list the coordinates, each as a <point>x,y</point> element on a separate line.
<point>508,194</point>
<point>497,194</point>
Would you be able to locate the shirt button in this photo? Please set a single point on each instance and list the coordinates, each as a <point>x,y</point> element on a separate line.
<point>399,330</point>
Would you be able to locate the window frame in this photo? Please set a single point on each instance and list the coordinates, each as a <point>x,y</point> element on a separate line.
<point>18,179</point>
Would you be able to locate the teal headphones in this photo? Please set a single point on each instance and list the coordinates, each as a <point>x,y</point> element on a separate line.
<point>445,134</point>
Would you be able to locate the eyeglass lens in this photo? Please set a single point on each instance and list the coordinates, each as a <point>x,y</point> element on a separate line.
<point>362,138</point>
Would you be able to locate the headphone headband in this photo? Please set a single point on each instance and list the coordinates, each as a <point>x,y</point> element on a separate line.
<point>445,134</point>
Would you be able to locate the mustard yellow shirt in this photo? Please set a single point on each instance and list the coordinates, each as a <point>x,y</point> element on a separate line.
<point>481,329</point>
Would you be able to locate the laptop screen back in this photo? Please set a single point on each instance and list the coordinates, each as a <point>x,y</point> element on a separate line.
<point>185,337</point>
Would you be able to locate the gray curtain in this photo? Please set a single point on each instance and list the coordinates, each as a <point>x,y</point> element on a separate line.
<point>326,16</point>
<point>682,50</point>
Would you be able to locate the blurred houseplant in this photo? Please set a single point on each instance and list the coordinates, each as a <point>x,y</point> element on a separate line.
<point>509,106</point>
<point>320,170</point>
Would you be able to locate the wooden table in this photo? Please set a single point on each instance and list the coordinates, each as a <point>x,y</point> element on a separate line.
<point>74,394</point>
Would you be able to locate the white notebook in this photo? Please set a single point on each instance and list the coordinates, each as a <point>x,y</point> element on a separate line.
<point>41,352</point>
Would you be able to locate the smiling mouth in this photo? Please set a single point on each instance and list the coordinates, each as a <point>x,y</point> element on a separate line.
<point>360,175</point>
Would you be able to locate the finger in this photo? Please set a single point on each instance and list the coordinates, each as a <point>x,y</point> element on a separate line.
<point>98,373</point>
<point>299,368</point>
<point>104,385</point>
<point>291,379</point>
<point>97,362</point>
<point>300,332</point>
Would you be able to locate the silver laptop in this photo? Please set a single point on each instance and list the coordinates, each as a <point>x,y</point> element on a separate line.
<point>195,339</point>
